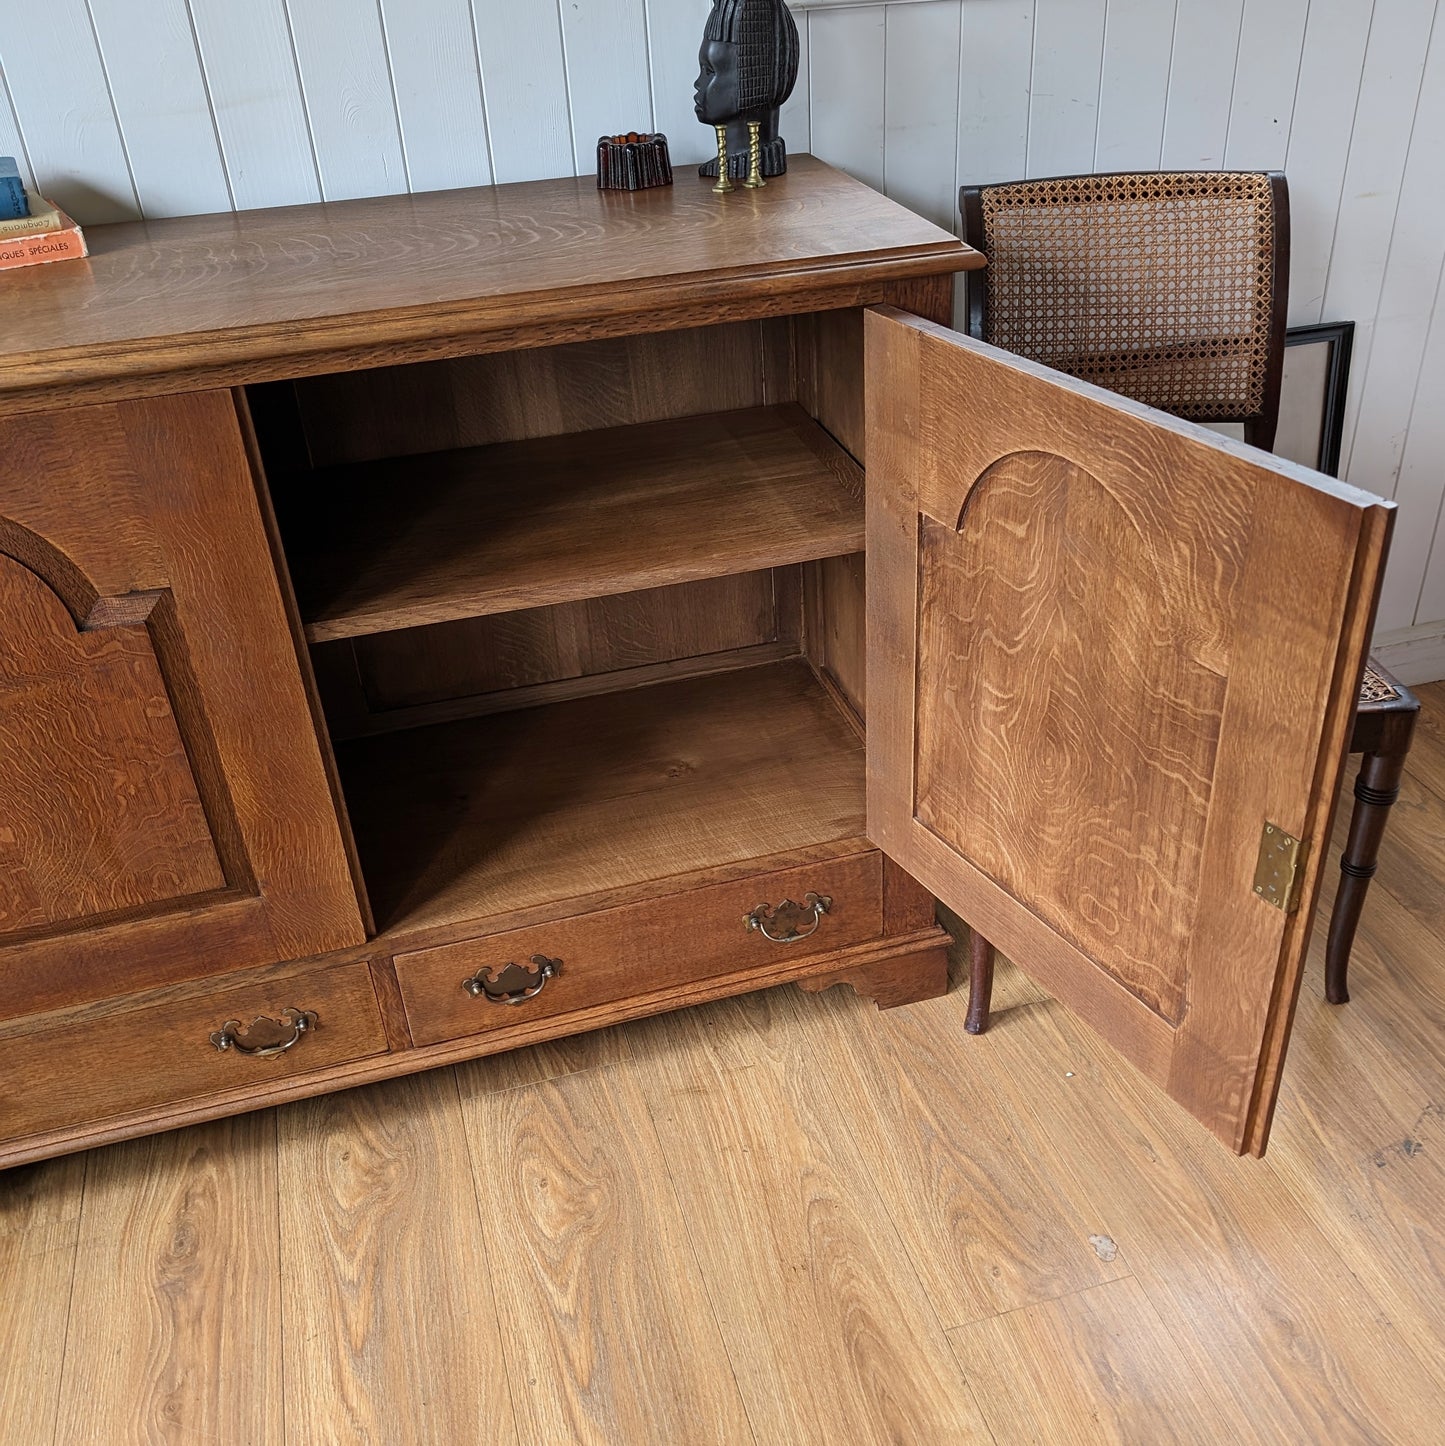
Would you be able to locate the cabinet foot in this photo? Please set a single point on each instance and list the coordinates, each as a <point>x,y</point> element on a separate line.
<point>980,982</point>
<point>893,981</point>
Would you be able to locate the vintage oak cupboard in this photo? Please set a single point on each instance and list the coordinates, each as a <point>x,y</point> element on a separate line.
<point>433,624</point>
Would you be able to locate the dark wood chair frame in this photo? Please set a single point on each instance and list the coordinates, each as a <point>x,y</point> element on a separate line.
<point>1383,729</point>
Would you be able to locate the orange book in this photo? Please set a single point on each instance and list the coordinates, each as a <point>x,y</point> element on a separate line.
<point>42,246</point>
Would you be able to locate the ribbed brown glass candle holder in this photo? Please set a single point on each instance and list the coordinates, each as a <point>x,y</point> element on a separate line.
<point>632,162</point>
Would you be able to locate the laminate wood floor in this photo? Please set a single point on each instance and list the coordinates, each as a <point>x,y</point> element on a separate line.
<point>779,1219</point>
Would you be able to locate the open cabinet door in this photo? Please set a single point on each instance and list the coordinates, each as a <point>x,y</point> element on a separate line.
<point>1112,669</point>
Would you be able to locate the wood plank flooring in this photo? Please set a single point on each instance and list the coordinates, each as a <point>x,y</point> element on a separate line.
<point>779,1219</point>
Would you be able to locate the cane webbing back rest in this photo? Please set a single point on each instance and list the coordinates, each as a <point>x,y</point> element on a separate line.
<point>1167,286</point>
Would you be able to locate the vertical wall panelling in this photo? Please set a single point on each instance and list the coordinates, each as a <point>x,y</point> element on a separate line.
<point>1388,396</point>
<point>1133,90</point>
<point>1420,475</point>
<point>996,49</point>
<point>920,108</point>
<point>674,34</point>
<point>524,79</point>
<point>1201,82</point>
<point>62,100</point>
<point>1326,95</point>
<point>845,78</point>
<point>1271,38</point>
<point>607,79</point>
<point>1432,597</point>
<point>1402,320</point>
<point>155,72</point>
<point>1404,599</point>
<point>1379,143</point>
<point>341,52</point>
<point>794,123</point>
<point>1064,104</point>
<point>12,143</point>
<point>255,93</point>
<point>438,92</point>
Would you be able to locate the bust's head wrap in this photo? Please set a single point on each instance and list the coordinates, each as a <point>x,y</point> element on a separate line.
<point>767,42</point>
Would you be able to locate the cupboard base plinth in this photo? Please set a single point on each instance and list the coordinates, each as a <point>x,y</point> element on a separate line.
<point>910,960</point>
<point>891,982</point>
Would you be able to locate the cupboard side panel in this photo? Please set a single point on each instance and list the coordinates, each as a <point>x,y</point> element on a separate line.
<point>278,412</point>
<point>828,360</point>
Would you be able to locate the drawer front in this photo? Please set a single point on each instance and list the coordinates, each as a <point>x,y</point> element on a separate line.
<point>161,1055</point>
<point>637,949</point>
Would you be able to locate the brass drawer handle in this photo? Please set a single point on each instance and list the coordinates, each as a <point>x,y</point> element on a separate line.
<point>787,918</point>
<point>513,983</point>
<point>265,1036</point>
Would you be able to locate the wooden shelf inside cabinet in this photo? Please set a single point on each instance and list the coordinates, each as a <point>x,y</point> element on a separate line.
<point>474,819</point>
<point>448,535</point>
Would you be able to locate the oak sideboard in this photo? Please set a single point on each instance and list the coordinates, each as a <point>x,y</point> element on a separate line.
<point>434,624</point>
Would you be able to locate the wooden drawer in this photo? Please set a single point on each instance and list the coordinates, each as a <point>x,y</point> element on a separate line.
<point>639,948</point>
<point>151,1057</point>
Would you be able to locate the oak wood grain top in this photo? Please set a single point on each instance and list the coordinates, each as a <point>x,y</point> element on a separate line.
<point>166,298</point>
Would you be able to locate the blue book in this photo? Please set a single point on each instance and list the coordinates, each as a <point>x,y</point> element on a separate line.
<point>13,202</point>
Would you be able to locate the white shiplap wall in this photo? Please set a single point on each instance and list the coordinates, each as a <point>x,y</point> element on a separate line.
<point>119,108</point>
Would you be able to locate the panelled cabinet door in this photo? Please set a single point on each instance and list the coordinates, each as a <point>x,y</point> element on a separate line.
<point>1108,651</point>
<point>165,811</point>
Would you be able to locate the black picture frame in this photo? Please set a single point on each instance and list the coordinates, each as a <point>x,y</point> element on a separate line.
<point>1322,392</point>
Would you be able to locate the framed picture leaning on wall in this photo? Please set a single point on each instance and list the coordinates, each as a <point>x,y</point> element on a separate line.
<point>1312,396</point>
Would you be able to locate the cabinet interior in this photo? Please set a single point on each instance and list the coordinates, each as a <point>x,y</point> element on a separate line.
<point>583,617</point>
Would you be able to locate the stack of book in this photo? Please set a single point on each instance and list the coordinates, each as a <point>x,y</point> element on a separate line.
<point>31,229</point>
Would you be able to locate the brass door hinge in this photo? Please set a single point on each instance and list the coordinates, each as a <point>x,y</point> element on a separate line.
<point>1280,868</point>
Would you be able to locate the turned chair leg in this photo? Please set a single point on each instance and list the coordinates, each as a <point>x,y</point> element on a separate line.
<point>980,982</point>
<point>1376,789</point>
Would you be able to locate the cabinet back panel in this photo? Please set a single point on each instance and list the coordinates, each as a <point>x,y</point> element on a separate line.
<point>510,396</point>
<point>488,664</point>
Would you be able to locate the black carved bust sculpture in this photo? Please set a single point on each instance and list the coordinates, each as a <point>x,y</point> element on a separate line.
<point>748,66</point>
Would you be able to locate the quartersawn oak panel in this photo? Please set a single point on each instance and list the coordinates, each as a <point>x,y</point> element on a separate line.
<point>98,806</point>
<point>112,503</point>
<point>459,534</point>
<point>1073,702</point>
<point>1216,540</point>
